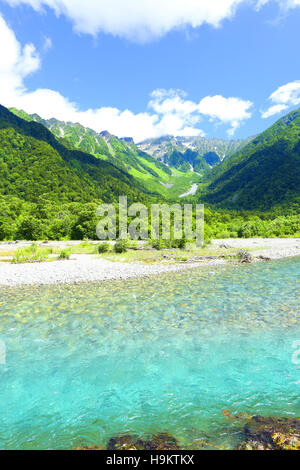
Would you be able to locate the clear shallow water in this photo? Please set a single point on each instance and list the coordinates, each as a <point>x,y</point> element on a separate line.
<point>87,362</point>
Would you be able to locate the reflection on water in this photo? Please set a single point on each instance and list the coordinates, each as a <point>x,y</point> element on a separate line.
<point>86,362</point>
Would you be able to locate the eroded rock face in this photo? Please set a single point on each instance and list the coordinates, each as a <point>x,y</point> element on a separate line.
<point>162,441</point>
<point>271,433</point>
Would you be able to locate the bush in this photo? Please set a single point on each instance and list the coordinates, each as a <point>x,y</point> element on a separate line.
<point>103,247</point>
<point>120,246</point>
<point>181,244</point>
<point>31,254</point>
<point>64,254</point>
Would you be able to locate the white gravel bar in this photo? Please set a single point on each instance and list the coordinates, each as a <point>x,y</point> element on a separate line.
<point>82,268</point>
<point>90,268</point>
<point>272,248</point>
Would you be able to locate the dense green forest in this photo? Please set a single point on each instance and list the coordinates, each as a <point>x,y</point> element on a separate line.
<point>34,163</point>
<point>264,174</point>
<point>50,190</point>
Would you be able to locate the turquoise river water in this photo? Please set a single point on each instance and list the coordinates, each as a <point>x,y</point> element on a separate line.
<point>169,353</point>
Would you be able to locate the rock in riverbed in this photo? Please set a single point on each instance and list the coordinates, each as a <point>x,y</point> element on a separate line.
<point>162,441</point>
<point>271,433</point>
<point>245,257</point>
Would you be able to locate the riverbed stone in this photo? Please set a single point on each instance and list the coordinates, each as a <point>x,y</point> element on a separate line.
<point>160,441</point>
<point>270,432</point>
<point>127,442</point>
<point>254,445</point>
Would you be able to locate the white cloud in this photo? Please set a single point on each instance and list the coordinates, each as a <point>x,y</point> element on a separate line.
<point>144,20</point>
<point>140,20</point>
<point>169,111</point>
<point>283,98</point>
<point>284,4</point>
<point>231,111</point>
<point>277,108</point>
<point>47,44</point>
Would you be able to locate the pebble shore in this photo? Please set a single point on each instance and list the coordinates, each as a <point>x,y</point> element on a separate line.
<point>82,268</point>
<point>89,268</point>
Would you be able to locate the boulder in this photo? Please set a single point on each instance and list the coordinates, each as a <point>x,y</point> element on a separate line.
<point>271,433</point>
<point>245,257</point>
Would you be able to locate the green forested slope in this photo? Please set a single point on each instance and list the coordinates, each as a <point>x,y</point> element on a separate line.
<point>168,180</point>
<point>123,153</point>
<point>266,173</point>
<point>34,163</point>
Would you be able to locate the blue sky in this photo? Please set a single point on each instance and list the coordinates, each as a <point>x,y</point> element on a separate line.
<point>223,68</point>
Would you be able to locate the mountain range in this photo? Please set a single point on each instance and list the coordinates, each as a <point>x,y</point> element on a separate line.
<point>196,153</point>
<point>67,160</point>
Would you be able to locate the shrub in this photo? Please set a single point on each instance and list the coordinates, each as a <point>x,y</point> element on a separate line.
<point>120,246</point>
<point>158,244</point>
<point>103,247</point>
<point>64,254</point>
<point>31,254</point>
<point>181,243</point>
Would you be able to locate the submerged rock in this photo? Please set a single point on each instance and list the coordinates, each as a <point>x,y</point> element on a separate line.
<point>122,443</point>
<point>89,448</point>
<point>286,441</point>
<point>271,433</point>
<point>254,445</point>
<point>161,441</point>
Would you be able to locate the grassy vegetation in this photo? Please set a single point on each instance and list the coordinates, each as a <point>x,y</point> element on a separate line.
<point>145,254</point>
<point>120,246</point>
<point>31,254</point>
<point>103,247</point>
<point>65,254</point>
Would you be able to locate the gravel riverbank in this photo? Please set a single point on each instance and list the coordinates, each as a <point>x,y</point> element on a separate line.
<point>82,268</point>
<point>89,268</point>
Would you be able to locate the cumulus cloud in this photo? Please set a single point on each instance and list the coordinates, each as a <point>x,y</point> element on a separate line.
<point>145,20</point>
<point>283,98</point>
<point>169,111</point>
<point>231,111</point>
<point>140,20</point>
<point>275,109</point>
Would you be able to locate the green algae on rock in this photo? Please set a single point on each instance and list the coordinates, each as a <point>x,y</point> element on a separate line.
<point>161,441</point>
<point>271,433</point>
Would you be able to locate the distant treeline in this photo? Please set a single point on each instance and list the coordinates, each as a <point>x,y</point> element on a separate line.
<point>46,219</point>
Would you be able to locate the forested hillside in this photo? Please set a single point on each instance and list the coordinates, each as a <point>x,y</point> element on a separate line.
<point>49,189</point>
<point>34,163</point>
<point>122,153</point>
<point>264,174</point>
